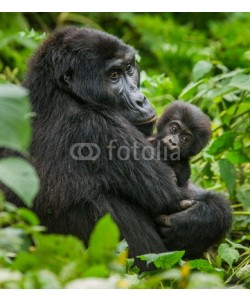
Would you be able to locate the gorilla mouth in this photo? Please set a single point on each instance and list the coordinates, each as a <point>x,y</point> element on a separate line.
<point>146,121</point>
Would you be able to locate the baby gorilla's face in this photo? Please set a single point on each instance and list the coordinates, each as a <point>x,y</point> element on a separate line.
<point>176,136</point>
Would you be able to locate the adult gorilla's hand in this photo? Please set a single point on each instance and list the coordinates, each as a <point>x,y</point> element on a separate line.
<point>198,227</point>
<point>181,231</point>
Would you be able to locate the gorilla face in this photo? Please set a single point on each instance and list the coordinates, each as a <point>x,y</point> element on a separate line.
<point>99,68</point>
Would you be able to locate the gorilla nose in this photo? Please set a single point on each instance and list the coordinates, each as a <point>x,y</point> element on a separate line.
<point>172,142</point>
<point>142,101</point>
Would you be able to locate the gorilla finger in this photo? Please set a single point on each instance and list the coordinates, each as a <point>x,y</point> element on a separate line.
<point>184,204</point>
<point>163,220</point>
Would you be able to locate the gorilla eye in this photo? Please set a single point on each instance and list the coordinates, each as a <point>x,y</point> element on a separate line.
<point>128,67</point>
<point>185,138</point>
<point>115,75</point>
<point>173,129</point>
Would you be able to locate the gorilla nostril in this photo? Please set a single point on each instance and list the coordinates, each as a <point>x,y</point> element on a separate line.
<point>140,103</point>
<point>172,142</point>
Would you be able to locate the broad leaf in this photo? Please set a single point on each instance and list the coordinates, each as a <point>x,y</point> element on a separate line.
<point>201,265</point>
<point>104,239</point>
<point>241,81</point>
<point>222,143</point>
<point>190,90</point>
<point>228,254</point>
<point>14,118</point>
<point>18,175</point>
<point>205,281</point>
<point>201,69</point>
<point>228,174</point>
<point>52,251</point>
<point>163,260</point>
<point>243,194</point>
<point>244,272</point>
<point>14,240</point>
<point>41,279</point>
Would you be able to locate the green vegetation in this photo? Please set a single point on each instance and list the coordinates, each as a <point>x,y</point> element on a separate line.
<point>202,58</point>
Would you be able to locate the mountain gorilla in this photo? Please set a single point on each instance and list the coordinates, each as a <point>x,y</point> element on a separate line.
<point>183,131</point>
<point>90,155</point>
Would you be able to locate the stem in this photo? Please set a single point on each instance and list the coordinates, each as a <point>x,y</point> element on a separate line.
<point>241,213</point>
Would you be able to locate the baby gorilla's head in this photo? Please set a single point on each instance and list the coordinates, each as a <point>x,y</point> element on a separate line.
<point>184,127</point>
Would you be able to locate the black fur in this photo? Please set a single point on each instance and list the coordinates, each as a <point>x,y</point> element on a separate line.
<point>75,103</point>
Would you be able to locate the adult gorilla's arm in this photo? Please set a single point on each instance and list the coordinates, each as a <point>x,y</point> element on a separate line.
<point>126,165</point>
<point>198,227</point>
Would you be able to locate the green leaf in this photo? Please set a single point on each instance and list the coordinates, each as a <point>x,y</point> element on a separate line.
<point>205,281</point>
<point>218,92</point>
<point>20,177</point>
<point>244,272</point>
<point>14,240</point>
<point>201,265</point>
<point>227,75</point>
<point>228,174</point>
<point>28,216</point>
<point>25,262</point>
<point>222,143</point>
<point>228,254</point>
<point>237,157</point>
<point>103,240</point>
<point>42,279</point>
<point>241,81</point>
<point>14,118</point>
<point>201,69</point>
<point>7,276</point>
<point>52,252</point>
<point>163,260</point>
<point>122,246</point>
<point>243,194</point>
<point>190,90</point>
<point>97,271</point>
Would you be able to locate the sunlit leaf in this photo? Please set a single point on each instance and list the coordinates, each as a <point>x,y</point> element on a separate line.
<point>241,81</point>
<point>244,272</point>
<point>228,254</point>
<point>15,130</point>
<point>163,260</point>
<point>20,177</point>
<point>104,239</point>
<point>205,281</point>
<point>201,69</point>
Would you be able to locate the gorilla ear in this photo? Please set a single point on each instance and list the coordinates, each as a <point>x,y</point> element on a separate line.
<point>67,77</point>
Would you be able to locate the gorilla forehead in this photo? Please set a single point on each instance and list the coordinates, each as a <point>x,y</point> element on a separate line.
<point>92,43</point>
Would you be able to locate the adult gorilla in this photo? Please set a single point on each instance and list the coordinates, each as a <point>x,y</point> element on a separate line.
<point>83,86</point>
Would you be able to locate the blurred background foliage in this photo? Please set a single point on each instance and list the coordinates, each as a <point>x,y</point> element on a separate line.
<point>201,58</point>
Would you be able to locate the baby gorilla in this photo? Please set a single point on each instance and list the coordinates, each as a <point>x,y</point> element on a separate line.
<point>182,132</point>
